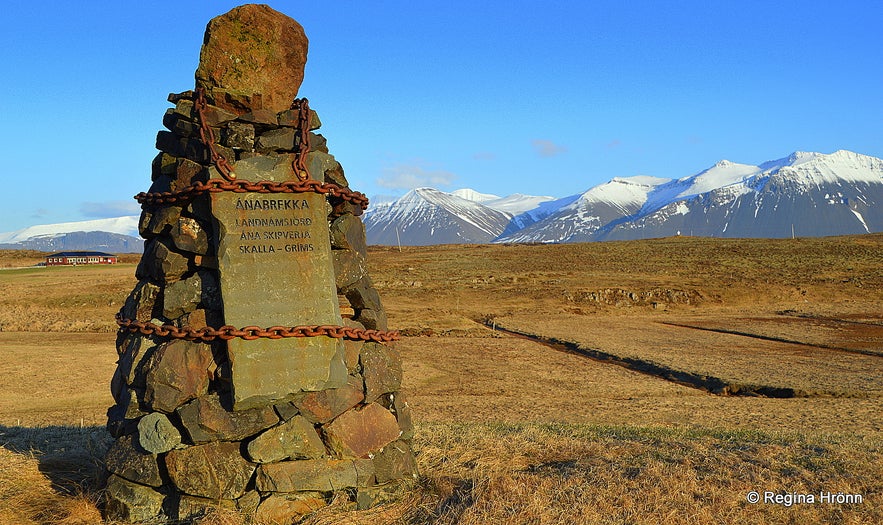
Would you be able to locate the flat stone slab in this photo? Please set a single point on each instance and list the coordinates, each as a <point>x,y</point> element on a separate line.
<point>359,433</point>
<point>215,470</point>
<point>274,257</point>
<point>321,475</point>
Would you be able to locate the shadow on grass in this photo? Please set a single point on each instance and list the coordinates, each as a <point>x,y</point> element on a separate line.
<point>71,457</point>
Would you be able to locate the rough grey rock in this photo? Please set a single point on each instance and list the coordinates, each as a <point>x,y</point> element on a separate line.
<point>205,419</point>
<point>295,438</point>
<point>381,368</point>
<point>128,460</point>
<point>215,470</point>
<point>281,139</point>
<point>321,475</point>
<point>131,502</point>
<point>156,434</point>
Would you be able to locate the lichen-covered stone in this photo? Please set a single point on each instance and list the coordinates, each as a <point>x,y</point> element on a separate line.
<point>191,507</point>
<point>295,439</point>
<point>214,470</point>
<point>281,139</point>
<point>160,263</point>
<point>132,502</point>
<point>291,117</point>
<point>283,510</point>
<point>186,174</point>
<point>402,411</point>
<point>325,405</point>
<point>131,367</point>
<point>239,136</point>
<point>248,503</point>
<point>205,419</point>
<point>349,268</point>
<point>156,434</point>
<point>321,475</point>
<point>395,461</point>
<point>182,297</point>
<point>188,235</point>
<point>177,372</point>
<point>163,165</point>
<point>159,220</point>
<point>253,49</point>
<point>140,303</point>
<point>359,433</point>
<point>381,368</point>
<point>319,162</point>
<point>126,459</point>
<point>266,167</point>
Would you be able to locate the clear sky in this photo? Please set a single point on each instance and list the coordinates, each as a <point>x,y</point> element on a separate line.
<point>542,98</point>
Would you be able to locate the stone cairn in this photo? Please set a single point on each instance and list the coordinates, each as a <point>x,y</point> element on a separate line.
<point>220,403</point>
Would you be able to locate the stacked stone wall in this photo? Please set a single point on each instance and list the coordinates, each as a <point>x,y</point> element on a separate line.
<point>180,447</point>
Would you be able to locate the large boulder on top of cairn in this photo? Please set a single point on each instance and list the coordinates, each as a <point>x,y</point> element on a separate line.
<point>253,57</point>
<point>211,415</point>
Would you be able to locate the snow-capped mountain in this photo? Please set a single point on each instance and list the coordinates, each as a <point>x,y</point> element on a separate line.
<point>804,194</point>
<point>428,216</point>
<point>580,216</point>
<point>115,235</point>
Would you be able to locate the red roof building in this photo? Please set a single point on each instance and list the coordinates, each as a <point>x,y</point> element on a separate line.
<point>75,258</point>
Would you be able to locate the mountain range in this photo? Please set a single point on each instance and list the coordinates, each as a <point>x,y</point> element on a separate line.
<point>803,194</point>
<point>116,235</point>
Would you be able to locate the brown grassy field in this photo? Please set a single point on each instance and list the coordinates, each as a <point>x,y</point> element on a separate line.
<point>513,429</point>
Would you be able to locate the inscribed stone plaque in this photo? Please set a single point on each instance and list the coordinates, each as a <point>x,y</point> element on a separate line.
<point>275,267</point>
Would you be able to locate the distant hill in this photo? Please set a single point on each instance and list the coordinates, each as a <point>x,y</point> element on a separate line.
<point>116,235</point>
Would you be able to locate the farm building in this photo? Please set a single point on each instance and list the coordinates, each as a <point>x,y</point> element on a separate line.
<point>74,258</point>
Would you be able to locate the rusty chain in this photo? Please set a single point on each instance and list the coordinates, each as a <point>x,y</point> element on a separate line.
<point>244,186</point>
<point>304,118</point>
<point>304,183</point>
<point>208,137</point>
<point>250,333</point>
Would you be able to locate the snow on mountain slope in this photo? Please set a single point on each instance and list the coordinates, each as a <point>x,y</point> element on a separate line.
<point>580,216</point>
<point>127,225</point>
<point>517,203</point>
<point>428,216</point>
<point>724,173</point>
<point>805,194</point>
<point>474,196</point>
<point>839,193</point>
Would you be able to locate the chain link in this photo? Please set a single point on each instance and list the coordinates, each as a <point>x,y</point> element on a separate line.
<point>208,137</point>
<point>250,333</point>
<point>304,118</point>
<point>244,186</point>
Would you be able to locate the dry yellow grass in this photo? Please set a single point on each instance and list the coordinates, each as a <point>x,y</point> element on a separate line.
<point>510,430</point>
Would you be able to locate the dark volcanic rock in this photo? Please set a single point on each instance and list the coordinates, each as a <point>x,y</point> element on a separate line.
<point>131,502</point>
<point>128,460</point>
<point>177,372</point>
<point>296,438</point>
<point>215,470</point>
<point>205,419</point>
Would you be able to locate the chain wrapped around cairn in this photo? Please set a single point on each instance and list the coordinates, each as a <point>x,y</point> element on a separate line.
<point>230,183</point>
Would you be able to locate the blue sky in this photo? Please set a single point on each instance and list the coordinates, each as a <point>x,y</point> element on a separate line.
<point>543,98</point>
